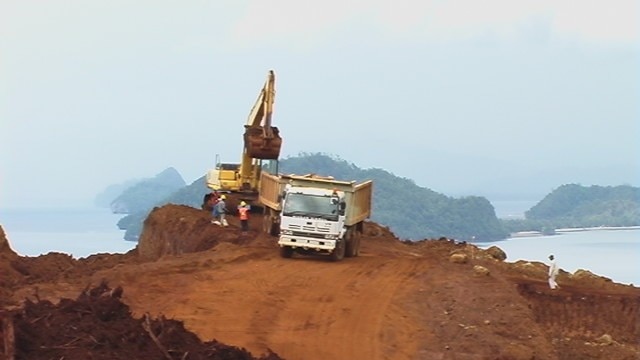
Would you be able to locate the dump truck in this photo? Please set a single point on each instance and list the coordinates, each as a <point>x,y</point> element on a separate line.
<point>312,214</point>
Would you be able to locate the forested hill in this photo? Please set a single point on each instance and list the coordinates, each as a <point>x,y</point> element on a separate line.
<point>146,193</point>
<point>410,211</point>
<point>577,206</point>
<point>414,212</point>
<point>580,206</point>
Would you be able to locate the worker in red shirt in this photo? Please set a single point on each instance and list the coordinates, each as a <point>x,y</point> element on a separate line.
<point>243,212</point>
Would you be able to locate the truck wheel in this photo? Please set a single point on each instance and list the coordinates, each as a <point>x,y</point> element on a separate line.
<point>351,243</point>
<point>286,252</point>
<point>275,228</point>
<point>356,242</point>
<point>269,225</point>
<point>357,237</point>
<point>266,224</point>
<point>338,253</point>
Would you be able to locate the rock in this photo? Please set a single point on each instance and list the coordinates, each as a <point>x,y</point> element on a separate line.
<point>531,270</point>
<point>459,258</point>
<point>605,339</point>
<point>5,247</point>
<point>497,253</point>
<point>481,270</point>
<point>588,276</point>
<point>581,273</point>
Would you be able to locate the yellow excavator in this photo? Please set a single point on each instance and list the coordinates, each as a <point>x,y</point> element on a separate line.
<point>262,143</point>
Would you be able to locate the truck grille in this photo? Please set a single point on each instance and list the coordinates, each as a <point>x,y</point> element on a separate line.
<point>311,231</point>
<point>306,234</point>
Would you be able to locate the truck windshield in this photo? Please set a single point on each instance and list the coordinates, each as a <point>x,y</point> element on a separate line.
<point>311,206</point>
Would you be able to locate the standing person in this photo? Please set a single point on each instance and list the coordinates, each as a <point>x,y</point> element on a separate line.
<point>243,211</point>
<point>221,210</point>
<point>214,214</point>
<point>553,272</point>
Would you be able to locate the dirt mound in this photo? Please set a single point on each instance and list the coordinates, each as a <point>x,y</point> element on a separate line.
<point>97,325</point>
<point>179,229</point>
<point>18,271</point>
<point>397,300</point>
<point>9,275</point>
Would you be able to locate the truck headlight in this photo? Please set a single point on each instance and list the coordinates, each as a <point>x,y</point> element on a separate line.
<point>286,232</point>
<point>331,237</point>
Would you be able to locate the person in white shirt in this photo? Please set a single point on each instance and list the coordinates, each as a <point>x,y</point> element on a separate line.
<point>553,272</point>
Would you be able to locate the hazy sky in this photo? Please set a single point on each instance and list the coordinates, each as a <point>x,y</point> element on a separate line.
<point>465,97</point>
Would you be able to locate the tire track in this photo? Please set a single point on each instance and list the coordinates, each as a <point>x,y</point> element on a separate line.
<point>346,311</point>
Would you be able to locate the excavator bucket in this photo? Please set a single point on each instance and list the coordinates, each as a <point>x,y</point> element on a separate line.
<point>261,146</point>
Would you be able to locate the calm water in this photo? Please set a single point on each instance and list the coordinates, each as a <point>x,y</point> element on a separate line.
<point>512,209</point>
<point>82,232</point>
<point>611,253</point>
<point>78,232</point>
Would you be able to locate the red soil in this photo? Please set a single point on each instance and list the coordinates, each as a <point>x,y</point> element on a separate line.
<point>397,300</point>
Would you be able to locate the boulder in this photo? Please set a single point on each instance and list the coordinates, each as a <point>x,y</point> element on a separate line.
<point>481,270</point>
<point>605,339</point>
<point>497,253</point>
<point>459,258</point>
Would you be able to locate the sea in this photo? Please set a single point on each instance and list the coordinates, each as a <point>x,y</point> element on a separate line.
<point>78,232</point>
<point>612,253</point>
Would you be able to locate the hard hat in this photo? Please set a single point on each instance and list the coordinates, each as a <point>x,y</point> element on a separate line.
<point>223,197</point>
<point>242,203</point>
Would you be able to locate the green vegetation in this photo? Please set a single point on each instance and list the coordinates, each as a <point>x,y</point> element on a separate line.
<point>413,212</point>
<point>410,211</point>
<point>576,206</point>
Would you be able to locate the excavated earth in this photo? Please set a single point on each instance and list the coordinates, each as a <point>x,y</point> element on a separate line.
<point>194,290</point>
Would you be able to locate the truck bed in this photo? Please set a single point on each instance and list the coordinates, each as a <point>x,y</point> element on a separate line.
<point>357,196</point>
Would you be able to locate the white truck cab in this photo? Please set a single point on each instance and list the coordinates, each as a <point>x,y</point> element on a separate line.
<point>312,218</point>
<point>315,215</point>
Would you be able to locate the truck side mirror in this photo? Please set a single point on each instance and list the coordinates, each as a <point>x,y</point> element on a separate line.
<point>343,206</point>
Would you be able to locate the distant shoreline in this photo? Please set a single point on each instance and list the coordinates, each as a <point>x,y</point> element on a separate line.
<point>570,230</point>
<point>599,228</point>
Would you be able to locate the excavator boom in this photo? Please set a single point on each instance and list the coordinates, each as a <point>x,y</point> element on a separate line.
<point>261,140</point>
<point>261,151</point>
